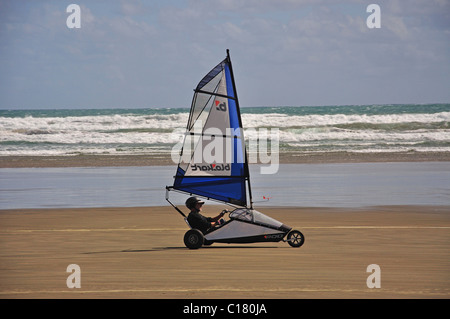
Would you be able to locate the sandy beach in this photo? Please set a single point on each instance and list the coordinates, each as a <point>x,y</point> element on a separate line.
<point>139,253</point>
<point>164,159</point>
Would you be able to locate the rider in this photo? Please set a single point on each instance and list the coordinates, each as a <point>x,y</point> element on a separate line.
<point>197,220</point>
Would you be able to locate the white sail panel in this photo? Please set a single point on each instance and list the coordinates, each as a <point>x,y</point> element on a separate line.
<point>213,159</point>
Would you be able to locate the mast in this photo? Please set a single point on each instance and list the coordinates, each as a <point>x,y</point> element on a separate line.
<point>247,171</point>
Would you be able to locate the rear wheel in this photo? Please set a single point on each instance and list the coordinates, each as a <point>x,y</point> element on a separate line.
<point>295,238</point>
<point>193,239</point>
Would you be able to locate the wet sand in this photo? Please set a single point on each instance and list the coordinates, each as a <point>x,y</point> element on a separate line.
<point>139,253</point>
<point>164,159</point>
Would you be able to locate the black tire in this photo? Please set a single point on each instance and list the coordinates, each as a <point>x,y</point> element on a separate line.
<point>295,238</point>
<point>193,239</point>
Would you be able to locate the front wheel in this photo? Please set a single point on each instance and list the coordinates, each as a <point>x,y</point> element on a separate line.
<point>295,238</point>
<point>193,239</point>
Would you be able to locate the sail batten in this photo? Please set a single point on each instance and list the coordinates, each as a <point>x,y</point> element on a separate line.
<point>216,94</point>
<point>213,161</point>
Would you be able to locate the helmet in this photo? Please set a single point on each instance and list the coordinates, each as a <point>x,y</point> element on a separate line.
<point>192,201</point>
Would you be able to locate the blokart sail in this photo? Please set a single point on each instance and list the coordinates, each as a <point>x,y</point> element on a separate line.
<point>213,162</point>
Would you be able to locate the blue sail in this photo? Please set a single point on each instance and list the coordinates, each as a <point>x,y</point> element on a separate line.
<point>213,161</point>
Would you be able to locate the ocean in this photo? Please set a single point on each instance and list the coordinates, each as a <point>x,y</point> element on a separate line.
<point>311,129</point>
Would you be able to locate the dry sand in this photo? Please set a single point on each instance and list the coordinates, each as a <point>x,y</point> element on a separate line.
<point>139,253</point>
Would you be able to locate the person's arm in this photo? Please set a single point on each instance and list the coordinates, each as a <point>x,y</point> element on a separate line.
<point>215,219</point>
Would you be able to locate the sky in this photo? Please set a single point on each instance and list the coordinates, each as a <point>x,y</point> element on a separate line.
<point>152,54</point>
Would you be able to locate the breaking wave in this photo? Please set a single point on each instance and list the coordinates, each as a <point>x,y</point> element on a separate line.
<point>388,128</point>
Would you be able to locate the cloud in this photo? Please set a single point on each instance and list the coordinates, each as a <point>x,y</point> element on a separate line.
<point>136,53</point>
<point>132,7</point>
